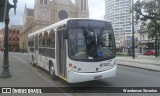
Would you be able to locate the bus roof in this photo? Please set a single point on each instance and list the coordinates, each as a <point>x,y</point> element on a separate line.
<point>60,23</point>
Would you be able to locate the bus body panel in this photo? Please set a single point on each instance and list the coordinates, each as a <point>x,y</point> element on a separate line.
<point>91,66</point>
<point>74,77</point>
<point>36,56</point>
<point>88,70</point>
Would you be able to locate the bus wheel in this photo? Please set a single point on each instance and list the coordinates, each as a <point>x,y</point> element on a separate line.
<point>52,72</point>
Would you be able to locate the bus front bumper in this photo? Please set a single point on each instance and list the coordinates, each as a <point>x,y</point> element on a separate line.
<point>74,77</point>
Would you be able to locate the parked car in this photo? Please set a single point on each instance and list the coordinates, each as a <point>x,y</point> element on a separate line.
<point>150,52</point>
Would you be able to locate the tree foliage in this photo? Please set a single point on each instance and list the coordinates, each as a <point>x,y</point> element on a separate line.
<point>151,29</point>
<point>149,10</point>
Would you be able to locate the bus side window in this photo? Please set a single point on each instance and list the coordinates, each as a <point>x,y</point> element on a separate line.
<point>36,43</point>
<point>40,44</point>
<point>52,40</point>
<point>45,40</point>
<point>51,43</point>
<point>45,44</point>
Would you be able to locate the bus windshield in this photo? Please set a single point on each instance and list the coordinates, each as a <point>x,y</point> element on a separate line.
<point>88,44</point>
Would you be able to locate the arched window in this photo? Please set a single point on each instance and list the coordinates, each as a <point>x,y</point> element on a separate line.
<point>40,40</point>
<point>32,41</point>
<point>45,40</point>
<point>52,44</point>
<point>52,39</point>
<point>29,42</point>
<point>36,42</point>
<point>41,1</point>
<point>85,5</point>
<point>45,44</point>
<point>40,44</point>
<point>45,2</point>
<point>82,3</point>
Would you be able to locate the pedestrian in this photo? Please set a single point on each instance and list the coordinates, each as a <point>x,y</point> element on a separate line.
<point>129,52</point>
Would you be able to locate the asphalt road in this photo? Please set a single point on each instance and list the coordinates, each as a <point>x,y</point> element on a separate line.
<point>126,77</point>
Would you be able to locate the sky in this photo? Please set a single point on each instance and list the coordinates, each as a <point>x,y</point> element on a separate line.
<point>96,10</point>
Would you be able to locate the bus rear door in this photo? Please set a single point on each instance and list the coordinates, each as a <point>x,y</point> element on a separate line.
<point>61,54</point>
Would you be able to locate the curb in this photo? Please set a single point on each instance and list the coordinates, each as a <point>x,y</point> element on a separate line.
<point>140,62</point>
<point>140,67</point>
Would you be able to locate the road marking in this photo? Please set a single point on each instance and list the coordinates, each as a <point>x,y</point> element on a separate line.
<point>41,75</point>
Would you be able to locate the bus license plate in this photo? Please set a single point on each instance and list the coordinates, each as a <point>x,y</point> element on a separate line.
<point>97,77</point>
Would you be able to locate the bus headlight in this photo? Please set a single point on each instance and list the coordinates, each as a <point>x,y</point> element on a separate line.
<point>74,67</point>
<point>101,65</point>
<point>70,65</point>
<point>79,69</point>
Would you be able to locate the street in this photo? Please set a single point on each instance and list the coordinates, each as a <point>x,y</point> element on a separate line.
<point>126,77</point>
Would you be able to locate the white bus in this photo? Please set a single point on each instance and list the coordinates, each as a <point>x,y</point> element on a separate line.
<point>75,50</point>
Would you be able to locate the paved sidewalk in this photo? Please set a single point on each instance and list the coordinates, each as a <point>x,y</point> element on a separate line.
<point>140,61</point>
<point>24,75</point>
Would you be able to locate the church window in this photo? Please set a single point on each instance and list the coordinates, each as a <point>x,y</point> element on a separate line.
<point>62,15</point>
<point>82,4</point>
<point>85,5</point>
<point>41,1</point>
<point>45,2</point>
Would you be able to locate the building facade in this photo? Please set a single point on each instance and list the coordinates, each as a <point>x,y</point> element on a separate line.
<point>1,38</point>
<point>13,38</point>
<point>14,32</point>
<point>1,42</point>
<point>118,13</point>
<point>145,43</point>
<point>47,12</point>
<point>125,43</point>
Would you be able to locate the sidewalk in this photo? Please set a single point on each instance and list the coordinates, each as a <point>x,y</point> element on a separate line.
<point>145,62</point>
<point>23,75</point>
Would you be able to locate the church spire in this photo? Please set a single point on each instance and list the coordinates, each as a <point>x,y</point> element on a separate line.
<point>82,4</point>
<point>41,2</point>
<point>82,8</point>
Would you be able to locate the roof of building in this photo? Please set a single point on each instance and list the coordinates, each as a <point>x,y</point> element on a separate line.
<point>15,26</point>
<point>143,30</point>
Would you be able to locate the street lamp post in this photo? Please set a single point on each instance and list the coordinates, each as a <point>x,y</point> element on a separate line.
<point>133,51</point>
<point>6,72</point>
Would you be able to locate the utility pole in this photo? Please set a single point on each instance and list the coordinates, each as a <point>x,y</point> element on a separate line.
<point>133,51</point>
<point>156,54</point>
<point>6,73</point>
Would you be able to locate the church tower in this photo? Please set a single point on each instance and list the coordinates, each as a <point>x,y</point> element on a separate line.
<point>41,14</point>
<point>82,8</point>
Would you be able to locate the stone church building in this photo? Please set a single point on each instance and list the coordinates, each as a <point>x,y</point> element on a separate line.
<point>47,12</point>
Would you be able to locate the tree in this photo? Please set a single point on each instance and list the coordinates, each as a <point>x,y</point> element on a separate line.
<point>149,10</point>
<point>151,29</point>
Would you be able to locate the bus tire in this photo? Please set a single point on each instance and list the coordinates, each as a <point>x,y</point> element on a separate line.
<point>32,62</point>
<point>52,71</point>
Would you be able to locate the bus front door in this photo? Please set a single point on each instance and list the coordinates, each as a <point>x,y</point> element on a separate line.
<point>62,54</point>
